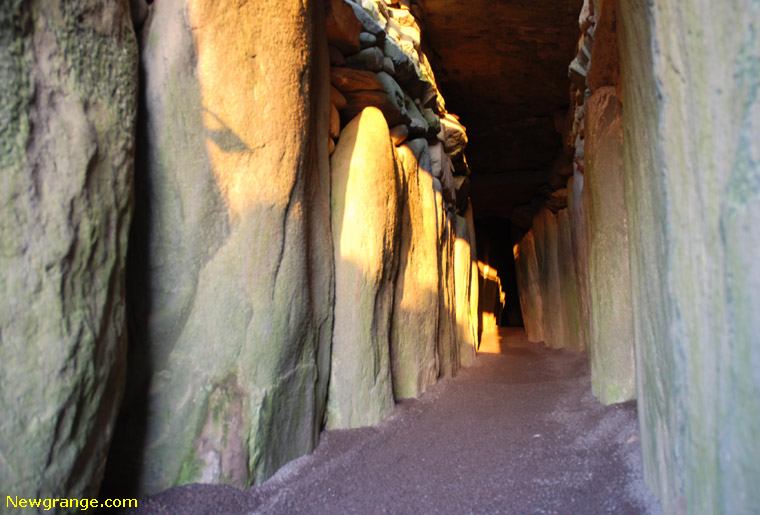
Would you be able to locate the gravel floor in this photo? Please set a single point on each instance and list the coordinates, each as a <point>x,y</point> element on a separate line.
<point>519,432</point>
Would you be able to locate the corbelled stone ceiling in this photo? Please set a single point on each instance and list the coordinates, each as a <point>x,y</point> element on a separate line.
<point>502,67</point>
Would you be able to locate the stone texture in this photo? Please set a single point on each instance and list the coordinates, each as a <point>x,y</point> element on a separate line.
<point>529,288</point>
<point>414,328</point>
<point>568,285</point>
<point>365,220</point>
<point>68,107</point>
<point>462,287</point>
<point>229,268</point>
<point>691,155</point>
<point>611,339</point>
<point>545,232</point>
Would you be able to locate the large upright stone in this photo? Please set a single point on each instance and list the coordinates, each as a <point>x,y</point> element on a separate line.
<point>474,277</point>
<point>414,363</point>
<point>692,167</point>
<point>545,234</point>
<point>365,223</point>
<point>613,375</point>
<point>576,206</point>
<point>568,285</point>
<point>67,116</point>
<point>448,349</point>
<point>230,262</point>
<point>529,288</point>
<point>463,290</point>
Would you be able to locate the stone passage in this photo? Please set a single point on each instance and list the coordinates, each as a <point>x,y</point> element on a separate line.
<point>227,226</point>
<point>520,432</point>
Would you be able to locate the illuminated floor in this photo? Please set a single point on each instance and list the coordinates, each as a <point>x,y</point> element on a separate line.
<point>519,432</point>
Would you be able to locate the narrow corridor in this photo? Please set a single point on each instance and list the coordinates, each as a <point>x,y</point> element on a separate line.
<point>518,432</point>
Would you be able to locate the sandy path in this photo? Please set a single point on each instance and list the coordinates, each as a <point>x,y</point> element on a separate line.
<point>519,432</point>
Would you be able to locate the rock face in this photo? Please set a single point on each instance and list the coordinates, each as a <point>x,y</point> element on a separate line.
<point>545,232</point>
<point>613,376</point>
<point>692,155</point>
<point>414,362</point>
<point>66,154</point>
<point>365,224</point>
<point>529,288</point>
<point>230,267</point>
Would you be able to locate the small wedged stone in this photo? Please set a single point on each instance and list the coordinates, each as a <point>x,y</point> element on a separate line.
<point>357,101</point>
<point>399,134</point>
<point>348,80</point>
<point>336,98</point>
<point>336,57</point>
<point>368,59</point>
<point>367,40</point>
<point>388,66</point>
<point>334,123</point>
<point>418,126</point>
<point>454,135</point>
<point>432,119</point>
<point>438,158</point>
<point>462,185</point>
<point>558,200</point>
<point>368,23</point>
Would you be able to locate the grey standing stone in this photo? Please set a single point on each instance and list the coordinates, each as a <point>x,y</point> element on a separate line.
<point>415,311</point>
<point>67,118</point>
<point>230,270</point>
<point>613,377</point>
